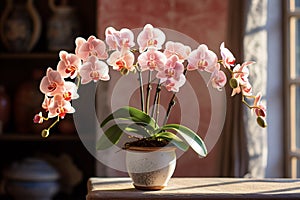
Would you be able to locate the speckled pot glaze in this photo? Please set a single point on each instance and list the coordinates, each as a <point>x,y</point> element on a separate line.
<point>150,168</point>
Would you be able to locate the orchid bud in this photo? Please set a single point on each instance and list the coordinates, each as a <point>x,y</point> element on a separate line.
<point>38,118</point>
<point>233,83</point>
<point>124,71</point>
<point>261,122</point>
<point>45,133</point>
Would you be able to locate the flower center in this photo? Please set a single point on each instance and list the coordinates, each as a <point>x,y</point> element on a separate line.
<point>202,64</point>
<point>71,70</point>
<point>121,64</point>
<point>52,87</point>
<point>95,75</point>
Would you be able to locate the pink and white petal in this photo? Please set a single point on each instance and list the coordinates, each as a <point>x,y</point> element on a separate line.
<point>109,38</point>
<point>227,56</point>
<point>85,71</point>
<point>219,80</point>
<point>143,61</point>
<point>100,49</point>
<point>72,88</point>
<point>79,41</point>
<point>61,68</point>
<point>127,37</point>
<point>236,91</point>
<point>102,68</point>
<point>113,59</point>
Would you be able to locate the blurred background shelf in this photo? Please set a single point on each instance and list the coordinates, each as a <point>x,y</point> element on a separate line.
<point>29,56</point>
<point>26,137</point>
<point>20,74</point>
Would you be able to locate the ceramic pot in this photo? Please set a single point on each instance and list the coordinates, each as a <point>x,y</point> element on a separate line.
<point>20,26</point>
<point>63,26</point>
<point>150,168</point>
<point>31,179</point>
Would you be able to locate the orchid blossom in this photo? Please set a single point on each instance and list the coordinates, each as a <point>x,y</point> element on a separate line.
<point>68,65</point>
<point>172,74</point>
<point>121,61</point>
<point>52,83</point>
<point>59,107</point>
<point>150,37</point>
<point>227,56</point>
<point>119,40</point>
<point>218,78</point>
<point>260,109</point>
<point>93,69</point>
<point>178,49</point>
<point>92,46</point>
<point>152,60</point>
<point>203,59</point>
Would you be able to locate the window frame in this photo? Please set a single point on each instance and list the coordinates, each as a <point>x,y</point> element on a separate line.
<point>292,154</point>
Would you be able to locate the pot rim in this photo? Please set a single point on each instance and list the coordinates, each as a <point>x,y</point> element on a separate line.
<point>150,149</point>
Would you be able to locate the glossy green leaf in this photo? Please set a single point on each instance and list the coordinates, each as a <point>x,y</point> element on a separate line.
<point>138,129</point>
<point>111,136</point>
<point>190,137</point>
<point>132,114</point>
<point>174,139</point>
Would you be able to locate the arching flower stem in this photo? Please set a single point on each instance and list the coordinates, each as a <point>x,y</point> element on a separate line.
<point>141,89</point>
<point>149,87</point>
<point>246,103</point>
<point>156,99</point>
<point>45,132</point>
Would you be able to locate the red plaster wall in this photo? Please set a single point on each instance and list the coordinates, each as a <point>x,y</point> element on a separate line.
<point>203,20</point>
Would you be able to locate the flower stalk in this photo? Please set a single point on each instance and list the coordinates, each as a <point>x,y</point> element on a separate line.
<point>149,88</point>
<point>140,78</point>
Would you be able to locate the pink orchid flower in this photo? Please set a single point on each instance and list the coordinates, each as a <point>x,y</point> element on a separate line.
<point>261,110</point>
<point>121,60</point>
<point>245,89</point>
<point>218,79</point>
<point>172,76</point>
<point>227,56</point>
<point>59,107</point>
<point>241,72</point>
<point>119,40</point>
<point>52,83</point>
<point>68,65</point>
<point>173,69</point>
<point>150,37</point>
<point>203,59</point>
<point>152,60</point>
<point>93,69</point>
<point>173,85</point>
<point>70,91</point>
<point>178,49</point>
<point>92,46</point>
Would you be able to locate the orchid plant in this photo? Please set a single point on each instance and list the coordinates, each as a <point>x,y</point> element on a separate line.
<point>165,67</point>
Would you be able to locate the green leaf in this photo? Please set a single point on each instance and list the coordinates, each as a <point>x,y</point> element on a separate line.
<point>132,114</point>
<point>138,128</point>
<point>174,139</point>
<point>190,137</point>
<point>111,136</point>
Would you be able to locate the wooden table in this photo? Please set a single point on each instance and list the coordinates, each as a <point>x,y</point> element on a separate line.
<point>196,188</point>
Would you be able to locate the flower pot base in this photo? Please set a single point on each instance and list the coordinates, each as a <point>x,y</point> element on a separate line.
<point>149,188</point>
